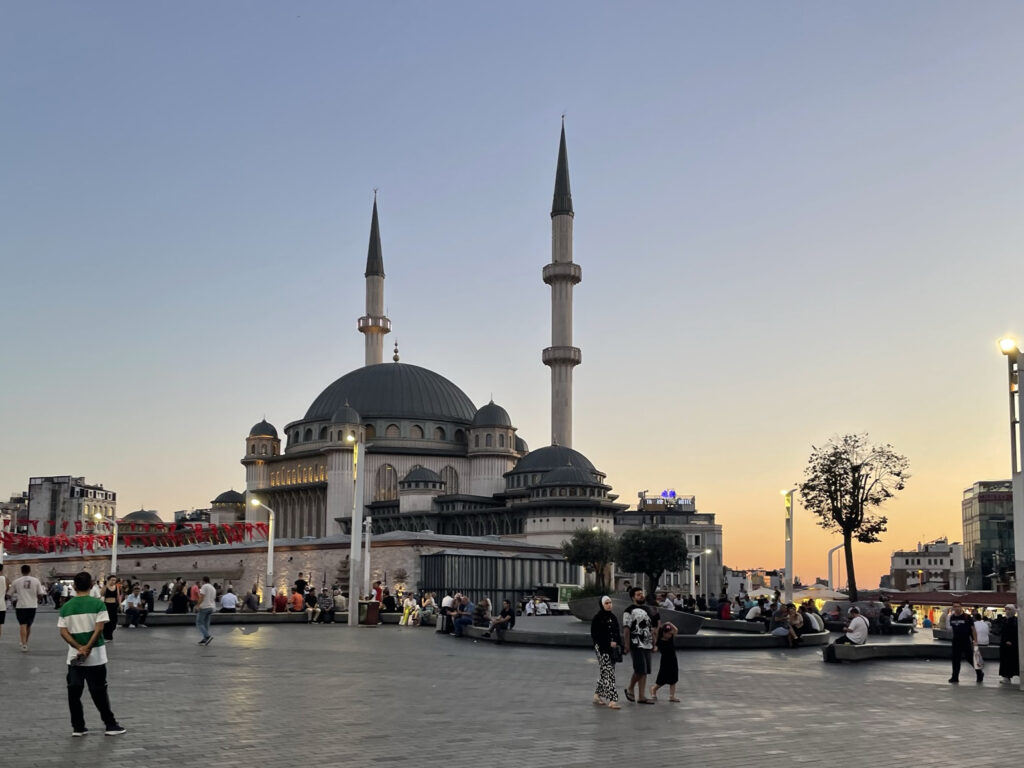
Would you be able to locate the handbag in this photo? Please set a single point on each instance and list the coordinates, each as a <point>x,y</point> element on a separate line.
<point>615,654</point>
<point>979,662</point>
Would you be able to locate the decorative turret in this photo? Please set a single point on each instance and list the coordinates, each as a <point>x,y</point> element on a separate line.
<point>561,274</point>
<point>374,324</point>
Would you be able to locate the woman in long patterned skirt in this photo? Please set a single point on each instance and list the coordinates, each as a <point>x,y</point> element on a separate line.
<point>605,632</point>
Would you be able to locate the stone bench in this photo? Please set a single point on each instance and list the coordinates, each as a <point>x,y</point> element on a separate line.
<point>710,641</point>
<point>248,617</point>
<point>869,652</point>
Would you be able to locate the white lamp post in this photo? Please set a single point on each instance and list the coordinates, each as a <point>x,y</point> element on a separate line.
<point>1014,358</point>
<point>691,556</point>
<point>787,584</point>
<point>368,526</point>
<point>113,547</point>
<point>704,573</point>
<point>831,582</point>
<point>268,590</point>
<point>355,557</point>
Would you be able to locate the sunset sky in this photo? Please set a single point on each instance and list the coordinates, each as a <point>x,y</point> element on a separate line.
<point>794,220</point>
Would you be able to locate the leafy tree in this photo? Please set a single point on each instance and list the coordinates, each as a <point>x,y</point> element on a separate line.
<point>594,550</point>
<point>652,551</point>
<point>846,479</point>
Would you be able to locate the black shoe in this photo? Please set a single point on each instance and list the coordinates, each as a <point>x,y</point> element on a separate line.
<point>115,730</point>
<point>80,732</point>
<point>953,680</point>
<point>981,676</point>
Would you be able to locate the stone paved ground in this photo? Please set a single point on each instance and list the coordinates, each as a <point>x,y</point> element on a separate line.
<point>313,696</point>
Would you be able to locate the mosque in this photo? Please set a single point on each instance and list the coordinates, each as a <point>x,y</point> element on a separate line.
<point>433,461</point>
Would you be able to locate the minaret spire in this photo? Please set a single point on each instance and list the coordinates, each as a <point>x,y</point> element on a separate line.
<point>561,274</point>
<point>374,324</point>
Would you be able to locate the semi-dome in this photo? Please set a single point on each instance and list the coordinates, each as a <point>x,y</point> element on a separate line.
<point>422,475</point>
<point>397,391</point>
<point>569,476</point>
<point>141,516</point>
<point>521,446</point>
<point>492,415</point>
<point>230,497</point>
<point>263,429</point>
<point>552,457</point>
<point>346,415</point>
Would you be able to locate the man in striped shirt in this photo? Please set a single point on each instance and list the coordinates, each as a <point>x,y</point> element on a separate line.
<point>81,627</point>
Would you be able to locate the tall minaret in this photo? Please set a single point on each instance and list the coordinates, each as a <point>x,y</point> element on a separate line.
<point>373,325</point>
<point>561,274</point>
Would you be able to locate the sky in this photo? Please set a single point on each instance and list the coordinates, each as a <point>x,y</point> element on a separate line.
<point>795,220</point>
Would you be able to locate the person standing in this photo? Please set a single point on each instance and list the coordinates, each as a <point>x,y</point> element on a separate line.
<point>26,591</point>
<point>638,641</point>
<point>112,599</point>
<point>81,627</point>
<point>668,669</point>
<point>206,605</point>
<point>1009,658</point>
<point>604,631</point>
<point>965,639</point>
<point>3,598</point>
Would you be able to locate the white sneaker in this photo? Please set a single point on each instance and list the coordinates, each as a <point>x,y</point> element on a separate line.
<point>1006,681</point>
<point>24,648</point>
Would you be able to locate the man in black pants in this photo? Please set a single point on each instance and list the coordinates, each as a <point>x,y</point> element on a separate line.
<point>965,638</point>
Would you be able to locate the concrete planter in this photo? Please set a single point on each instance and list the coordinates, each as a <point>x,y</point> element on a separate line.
<point>584,609</point>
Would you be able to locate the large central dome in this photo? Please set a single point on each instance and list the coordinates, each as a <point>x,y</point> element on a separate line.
<point>394,390</point>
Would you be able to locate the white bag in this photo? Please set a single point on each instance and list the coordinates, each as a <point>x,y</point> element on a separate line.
<point>979,662</point>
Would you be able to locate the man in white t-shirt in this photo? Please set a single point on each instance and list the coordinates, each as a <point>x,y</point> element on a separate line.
<point>26,591</point>
<point>856,629</point>
<point>205,607</point>
<point>229,601</point>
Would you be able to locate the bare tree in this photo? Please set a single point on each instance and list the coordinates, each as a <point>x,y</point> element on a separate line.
<point>846,479</point>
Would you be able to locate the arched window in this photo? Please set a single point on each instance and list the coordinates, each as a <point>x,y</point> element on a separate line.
<point>308,435</point>
<point>252,449</point>
<point>295,436</point>
<point>371,431</point>
<point>263,450</point>
<point>439,433</point>
<point>323,433</point>
<point>476,441</point>
<point>451,479</point>
<point>275,450</point>
<point>386,488</point>
<point>416,433</point>
<point>392,431</point>
<point>501,441</point>
<point>489,440</point>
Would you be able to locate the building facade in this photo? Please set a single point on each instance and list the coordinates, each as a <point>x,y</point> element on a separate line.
<point>933,565</point>
<point>988,535</point>
<point>56,503</point>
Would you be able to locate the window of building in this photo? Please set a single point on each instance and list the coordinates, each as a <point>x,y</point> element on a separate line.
<point>392,431</point>
<point>451,479</point>
<point>371,431</point>
<point>416,433</point>
<point>386,488</point>
<point>489,440</point>
<point>460,436</point>
<point>308,435</point>
<point>439,433</point>
<point>476,441</point>
<point>323,433</point>
<point>501,441</point>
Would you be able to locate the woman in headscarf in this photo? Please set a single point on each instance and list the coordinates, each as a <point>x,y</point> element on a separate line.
<point>605,632</point>
<point>1009,650</point>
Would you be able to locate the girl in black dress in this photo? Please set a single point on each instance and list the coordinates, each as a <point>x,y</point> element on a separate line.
<point>668,671</point>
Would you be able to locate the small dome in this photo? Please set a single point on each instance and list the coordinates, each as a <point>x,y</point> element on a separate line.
<point>263,429</point>
<point>552,457</point>
<point>141,516</point>
<point>346,415</point>
<point>521,446</point>
<point>230,497</point>
<point>492,415</point>
<point>422,475</point>
<point>569,476</point>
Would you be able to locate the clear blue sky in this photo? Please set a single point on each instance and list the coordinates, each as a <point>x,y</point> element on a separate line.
<point>794,220</point>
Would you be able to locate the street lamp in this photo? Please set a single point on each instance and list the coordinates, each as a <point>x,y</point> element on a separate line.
<point>704,574</point>
<point>113,547</point>
<point>787,584</point>
<point>368,525</point>
<point>831,583</point>
<point>691,556</point>
<point>355,558</point>
<point>1011,349</point>
<point>269,589</point>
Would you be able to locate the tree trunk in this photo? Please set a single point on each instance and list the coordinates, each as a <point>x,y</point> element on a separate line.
<point>851,579</point>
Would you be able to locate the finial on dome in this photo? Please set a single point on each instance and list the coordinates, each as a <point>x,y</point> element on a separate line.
<point>395,356</point>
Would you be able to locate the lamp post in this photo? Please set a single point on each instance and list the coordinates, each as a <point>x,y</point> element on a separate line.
<point>268,591</point>
<point>704,577</point>
<point>355,557</point>
<point>831,582</point>
<point>1010,348</point>
<point>787,584</point>
<point>691,556</point>
<point>113,546</point>
<point>368,525</point>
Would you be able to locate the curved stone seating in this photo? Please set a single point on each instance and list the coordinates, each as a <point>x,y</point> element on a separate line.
<point>714,641</point>
<point>869,652</point>
<point>262,617</point>
<point>731,625</point>
<point>584,609</point>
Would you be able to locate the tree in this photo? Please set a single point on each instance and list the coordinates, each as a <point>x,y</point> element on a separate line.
<point>594,550</point>
<point>846,479</point>
<point>652,551</point>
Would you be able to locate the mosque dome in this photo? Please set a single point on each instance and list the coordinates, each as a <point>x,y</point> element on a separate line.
<point>230,497</point>
<point>569,475</point>
<point>521,446</point>
<point>141,516</point>
<point>263,429</point>
<point>422,475</point>
<point>492,415</point>
<point>346,415</point>
<point>552,457</point>
<point>394,390</point>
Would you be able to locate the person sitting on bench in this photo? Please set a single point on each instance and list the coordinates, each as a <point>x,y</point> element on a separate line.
<point>505,621</point>
<point>856,629</point>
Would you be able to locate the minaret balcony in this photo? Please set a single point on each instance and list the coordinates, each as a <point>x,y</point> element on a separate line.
<point>561,355</point>
<point>370,324</point>
<point>563,271</point>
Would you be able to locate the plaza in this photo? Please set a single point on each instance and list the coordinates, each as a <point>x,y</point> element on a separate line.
<point>333,695</point>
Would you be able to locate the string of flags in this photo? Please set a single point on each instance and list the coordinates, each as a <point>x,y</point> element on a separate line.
<point>71,536</point>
